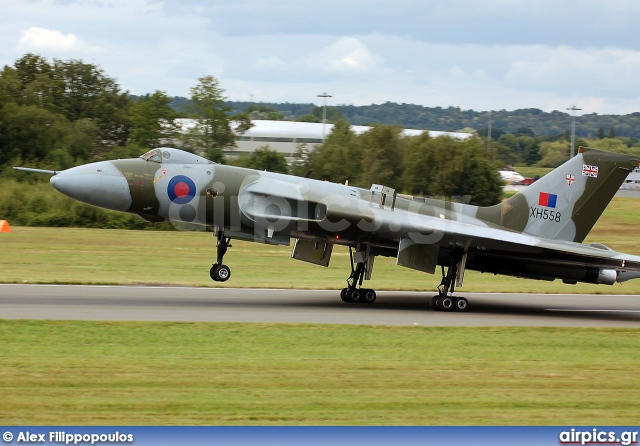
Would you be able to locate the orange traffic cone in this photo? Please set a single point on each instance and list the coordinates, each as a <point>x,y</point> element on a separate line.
<point>4,226</point>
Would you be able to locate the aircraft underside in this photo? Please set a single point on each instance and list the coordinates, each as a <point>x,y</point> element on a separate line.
<point>452,263</point>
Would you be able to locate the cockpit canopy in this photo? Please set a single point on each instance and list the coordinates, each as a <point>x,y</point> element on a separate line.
<point>173,156</point>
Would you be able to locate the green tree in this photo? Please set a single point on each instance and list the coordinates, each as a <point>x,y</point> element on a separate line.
<point>553,153</point>
<point>612,145</point>
<point>36,83</point>
<point>531,152</point>
<point>153,120</point>
<point>29,132</point>
<point>447,167</point>
<point>61,113</point>
<point>338,158</point>
<point>333,114</point>
<point>264,158</point>
<point>84,91</point>
<point>79,139</point>
<point>381,156</point>
<point>33,134</point>
<point>261,111</point>
<point>302,163</point>
<point>478,179</point>
<point>9,86</point>
<point>213,132</point>
<point>417,164</point>
<point>308,118</point>
<point>525,131</point>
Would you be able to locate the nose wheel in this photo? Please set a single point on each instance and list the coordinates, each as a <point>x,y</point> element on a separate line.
<point>220,272</point>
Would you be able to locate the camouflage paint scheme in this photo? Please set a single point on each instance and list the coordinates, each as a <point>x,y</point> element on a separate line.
<point>535,234</point>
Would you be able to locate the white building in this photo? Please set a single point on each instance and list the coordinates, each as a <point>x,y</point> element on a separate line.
<point>286,136</point>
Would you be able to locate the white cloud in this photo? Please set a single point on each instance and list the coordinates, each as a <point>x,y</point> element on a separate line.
<point>348,55</point>
<point>608,69</point>
<point>482,55</point>
<point>40,39</point>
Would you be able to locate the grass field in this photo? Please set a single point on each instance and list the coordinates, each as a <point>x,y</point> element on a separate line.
<point>532,172</point>
<point>95,256</point>
<point>145,373</point>
<point>67,373</point>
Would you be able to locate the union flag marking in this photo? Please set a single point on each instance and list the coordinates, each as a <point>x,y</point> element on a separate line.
<point>589,171</point>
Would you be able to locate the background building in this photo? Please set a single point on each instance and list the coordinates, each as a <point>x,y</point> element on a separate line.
<point>286,136</point>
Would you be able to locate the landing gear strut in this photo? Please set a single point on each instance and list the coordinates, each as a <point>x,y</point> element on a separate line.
<point>220,272</point>
<point>354,292</point>
<point>445,301</point>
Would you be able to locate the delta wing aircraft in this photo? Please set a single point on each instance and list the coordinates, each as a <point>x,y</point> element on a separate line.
<point>535,234</point>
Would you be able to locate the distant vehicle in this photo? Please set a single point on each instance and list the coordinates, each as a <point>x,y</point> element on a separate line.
<point>633,181</point>
<point>511,176</point>
<point>526,182</point>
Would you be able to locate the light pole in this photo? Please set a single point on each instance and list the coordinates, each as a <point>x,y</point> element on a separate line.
<point>489,136</point>
<point>324,97</point>
<point>573,128</point>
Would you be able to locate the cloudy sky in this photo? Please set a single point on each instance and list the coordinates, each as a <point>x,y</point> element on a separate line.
<point>481,55</point>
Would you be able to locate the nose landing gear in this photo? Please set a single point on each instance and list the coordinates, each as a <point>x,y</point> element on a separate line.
<point>220,272</point>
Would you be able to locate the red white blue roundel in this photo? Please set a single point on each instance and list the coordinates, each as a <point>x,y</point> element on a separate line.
<point>181,189</point>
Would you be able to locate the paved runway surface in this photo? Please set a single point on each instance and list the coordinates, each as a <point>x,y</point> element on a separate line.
<point>144,303</point>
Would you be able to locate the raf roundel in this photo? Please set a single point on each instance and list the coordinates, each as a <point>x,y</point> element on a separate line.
<point>181,189</point>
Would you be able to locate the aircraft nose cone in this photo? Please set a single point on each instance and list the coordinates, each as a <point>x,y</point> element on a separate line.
<point>100,184</point>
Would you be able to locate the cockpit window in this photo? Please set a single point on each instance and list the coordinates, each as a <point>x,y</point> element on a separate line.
<point>154,155</point>
<point>169,155</point>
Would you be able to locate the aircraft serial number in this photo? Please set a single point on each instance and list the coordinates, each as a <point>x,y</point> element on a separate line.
<point>544,214</point>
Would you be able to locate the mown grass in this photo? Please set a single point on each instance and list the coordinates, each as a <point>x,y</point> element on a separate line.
<point>139,373</point>
<point>98,256</point>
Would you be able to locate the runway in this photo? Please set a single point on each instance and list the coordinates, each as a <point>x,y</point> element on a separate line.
<point>145,303</point>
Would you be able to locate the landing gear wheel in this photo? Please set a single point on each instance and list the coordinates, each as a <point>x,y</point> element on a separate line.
<point>343,294</point>
<point>355,296</point>
<point>434,303</point>
<point>446,303</point>
<point>461,304</point>
<point>369,296</point>
<point>220,273</point>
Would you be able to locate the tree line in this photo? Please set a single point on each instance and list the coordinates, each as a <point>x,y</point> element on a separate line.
<point>547,124</point>
<point>63,113</point>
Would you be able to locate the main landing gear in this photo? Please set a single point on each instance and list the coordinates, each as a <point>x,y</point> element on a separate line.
<point>354,293</point>
<point>220,272</point>
<point>443,301</point>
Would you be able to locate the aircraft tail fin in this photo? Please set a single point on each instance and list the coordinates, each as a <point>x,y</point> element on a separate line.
<point>567,202</point>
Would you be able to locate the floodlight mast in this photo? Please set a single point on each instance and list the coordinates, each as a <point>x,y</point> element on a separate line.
<point>573,128</point>
<point>324,97</point>
<point>489,136</point>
